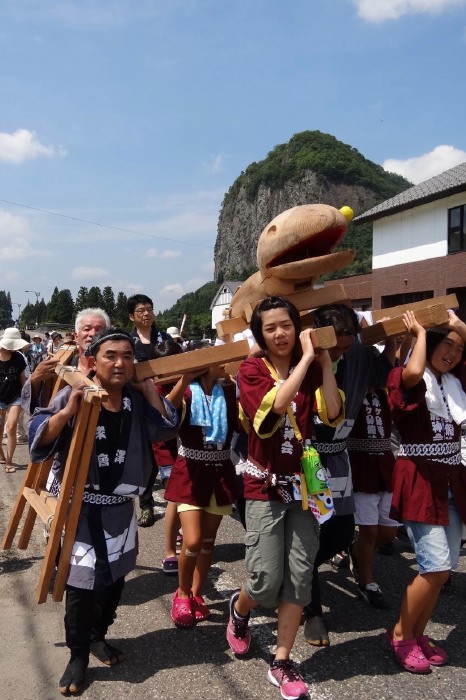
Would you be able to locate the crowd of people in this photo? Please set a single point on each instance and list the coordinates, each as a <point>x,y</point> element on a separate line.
<point>384,426</point>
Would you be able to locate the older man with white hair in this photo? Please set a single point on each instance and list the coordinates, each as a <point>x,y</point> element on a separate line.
<point>88,323</point>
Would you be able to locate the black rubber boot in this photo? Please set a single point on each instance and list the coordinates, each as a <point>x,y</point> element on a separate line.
<point>72,681</point>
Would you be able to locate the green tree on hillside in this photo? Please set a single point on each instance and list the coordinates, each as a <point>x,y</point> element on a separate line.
<point>64,307</point>
<point>6,310</point>
<point>94,298</point>
<point>108,299</point>
<point>121,312</point>
<point>81,300</point>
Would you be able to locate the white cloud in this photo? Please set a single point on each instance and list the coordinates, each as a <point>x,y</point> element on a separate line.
<point>15,235</point>
<point>23,145</point>
<point>89,273</point>
<point>428,165</point>
<point>382,10</point>
<point>214,164</point>
<point>164,254</point>
<point>172,290</point>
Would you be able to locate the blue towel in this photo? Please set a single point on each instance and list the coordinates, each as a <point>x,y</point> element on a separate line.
<point>214,417</point>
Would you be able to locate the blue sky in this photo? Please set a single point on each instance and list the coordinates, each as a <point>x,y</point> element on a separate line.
<point>139,115</point>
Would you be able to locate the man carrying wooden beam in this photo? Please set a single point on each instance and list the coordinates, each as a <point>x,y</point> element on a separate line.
<point>105,546</point>
<point>88,322</point>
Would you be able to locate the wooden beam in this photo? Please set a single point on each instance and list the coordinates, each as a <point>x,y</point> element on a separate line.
<point>435,315</point>
<point>230,326</point>
<point>311,299</point>
<point>450,301</point>
<point>191,361</point>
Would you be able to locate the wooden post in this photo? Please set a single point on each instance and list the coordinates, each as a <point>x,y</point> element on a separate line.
<point>64,512</point>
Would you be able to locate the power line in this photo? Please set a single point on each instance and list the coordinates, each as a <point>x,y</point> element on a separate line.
<point>109,226</point>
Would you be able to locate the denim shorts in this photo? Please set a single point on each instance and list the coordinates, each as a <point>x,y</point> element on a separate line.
<point>437,547</point>
<point>15,402</point>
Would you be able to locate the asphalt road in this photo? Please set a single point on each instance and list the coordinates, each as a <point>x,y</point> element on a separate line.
<point>167,663</point>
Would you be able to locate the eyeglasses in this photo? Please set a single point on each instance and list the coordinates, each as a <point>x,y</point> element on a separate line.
<point>144,310</point>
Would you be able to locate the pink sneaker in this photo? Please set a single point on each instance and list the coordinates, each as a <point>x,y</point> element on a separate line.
<point>435,655</point>
<point>285,676</point>
<point>200,609</point>
<point>182,611</point>
<point>408,654</point>
<point>238,634</point>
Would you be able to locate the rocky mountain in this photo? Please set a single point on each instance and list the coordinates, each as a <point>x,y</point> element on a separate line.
<point>311,167</point>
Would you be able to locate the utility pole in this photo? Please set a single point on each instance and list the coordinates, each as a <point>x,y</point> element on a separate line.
<point>32,291</point>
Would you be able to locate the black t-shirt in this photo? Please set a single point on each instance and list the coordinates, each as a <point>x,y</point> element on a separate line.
<point>10,377</point>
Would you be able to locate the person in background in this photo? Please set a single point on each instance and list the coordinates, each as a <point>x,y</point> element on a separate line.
<point>37,352</point>
<point>146,336</point>
<point>165,454</point>
<point>54,342</point>
<point>132,417</point>
<point>372,463</point>
<point>87,324</point>
<point>13,368</point>
<point>356,367</point>
<point>174,333</point>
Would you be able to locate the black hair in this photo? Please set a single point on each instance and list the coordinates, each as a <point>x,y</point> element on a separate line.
<point>110,333</point>
<point>343,319</point>
<point>133,301</point>
<point>166,348</point>
<point>275,303</point>
<point>195,345</point>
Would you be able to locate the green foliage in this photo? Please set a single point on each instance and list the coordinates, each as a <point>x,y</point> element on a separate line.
<point>120,317</point>
<point>81,300</point>
<point>95,298</point>
<point>196,306</point>
<point>108,301</point>
<point>322,154</point>
<point>6,310</point>
<point>359,239</point>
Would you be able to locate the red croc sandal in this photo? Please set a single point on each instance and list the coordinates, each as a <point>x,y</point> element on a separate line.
<point>182,611</point>
<point>435,654</point>
<point>201,611</point>
<point>408,654</point>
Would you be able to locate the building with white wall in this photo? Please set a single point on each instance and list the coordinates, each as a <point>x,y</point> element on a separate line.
<point>419,245</point>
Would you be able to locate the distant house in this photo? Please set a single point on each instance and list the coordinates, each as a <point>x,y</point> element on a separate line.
<point>419,245</point>
<point>222,300</point>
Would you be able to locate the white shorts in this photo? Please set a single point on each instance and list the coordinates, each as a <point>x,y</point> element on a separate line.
<point>373,509</point>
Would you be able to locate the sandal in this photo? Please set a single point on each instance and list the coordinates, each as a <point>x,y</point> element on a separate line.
<point>170,566</point>
<point>10,469</point>
<point>408,654</point>
<point>435,654</point>
<point>106,653</point>
<point>182,611</point>
<point>200,609</point>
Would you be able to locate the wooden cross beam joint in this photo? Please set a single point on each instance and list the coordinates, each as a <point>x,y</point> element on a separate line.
<point>428,317</point>
<point>72,375</point>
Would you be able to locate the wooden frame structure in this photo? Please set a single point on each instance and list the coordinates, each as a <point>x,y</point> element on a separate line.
<point>61,514</point>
